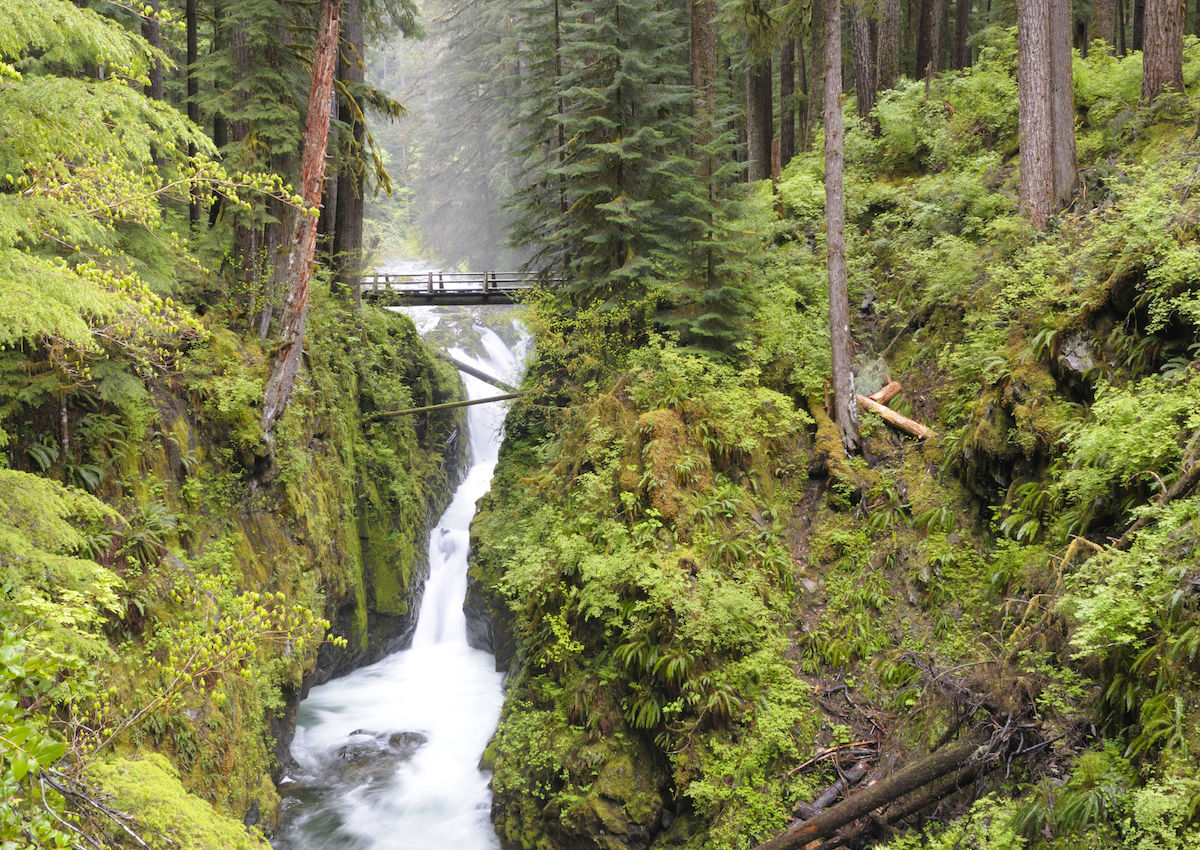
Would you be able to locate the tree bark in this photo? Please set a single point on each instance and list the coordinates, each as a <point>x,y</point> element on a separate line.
<point>760,123</point>
<point>1063,103</point>
<point>929,37</point>
<point>816,76</point>
<point>961,56</point>
<point>1104,22</point>
<point>282,379</point>
<point>845,409</point>
<point>192,25</point>
<point>888,46</point>
<point>1162,57</point>
<point>348,214</point>
<point>152,32</point>
<point>905,781</point>
<point>861,49</point>
<point>1035,126</point>
<point>787,99</point>
<point>1139,24</point>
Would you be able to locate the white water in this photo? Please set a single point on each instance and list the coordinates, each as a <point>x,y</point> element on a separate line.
<point>440,687</point>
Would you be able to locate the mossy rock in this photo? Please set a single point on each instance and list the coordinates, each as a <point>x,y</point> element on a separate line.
<point>166,815</point>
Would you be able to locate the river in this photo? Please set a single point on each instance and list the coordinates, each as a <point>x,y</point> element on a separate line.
<point>388,757</point>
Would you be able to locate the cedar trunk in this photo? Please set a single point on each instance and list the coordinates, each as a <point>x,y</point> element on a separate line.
<point>961,56</point>
<point>1162,57</point>
<point>1062,105</point>
<point>1104,22</point>
<point>348,214</point>
<point>192,24</point>
<point>929,37</point>
<point>1035,111</point>
<point>304,231</point>
<point>152,32</point>
<point>864,59</point>
<point>787,100</point>
<point>815,82</point>
<point>844,400</point>
<point>760,123</point>
<point>888,48</point>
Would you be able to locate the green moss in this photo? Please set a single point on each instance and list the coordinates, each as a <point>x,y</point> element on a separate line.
<point>167,816</point>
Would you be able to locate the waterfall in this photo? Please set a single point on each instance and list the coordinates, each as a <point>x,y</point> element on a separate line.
<point>388,757</point>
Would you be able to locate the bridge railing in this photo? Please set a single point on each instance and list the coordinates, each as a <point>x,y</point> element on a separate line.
<point>432,282</point>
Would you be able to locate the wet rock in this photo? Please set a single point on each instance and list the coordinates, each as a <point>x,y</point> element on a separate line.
<point>404,745</point>
<point>1076,356</point>
<point>375,746</point>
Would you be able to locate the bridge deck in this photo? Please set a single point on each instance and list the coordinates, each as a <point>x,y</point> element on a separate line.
<point>445,288</point>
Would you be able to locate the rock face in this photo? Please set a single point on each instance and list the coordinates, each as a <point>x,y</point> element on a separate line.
<point>624,808</point>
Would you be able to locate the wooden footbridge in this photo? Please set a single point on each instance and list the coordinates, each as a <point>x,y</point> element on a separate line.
<point>402,290</point>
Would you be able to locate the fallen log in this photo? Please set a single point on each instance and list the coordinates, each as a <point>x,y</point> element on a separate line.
<point>891,417</point>
<point>829,796</point>
<point>448,405</point>
<point>477,373</point>
<point>886,393</point>
<point>906,780</point>
<point>907,807</point>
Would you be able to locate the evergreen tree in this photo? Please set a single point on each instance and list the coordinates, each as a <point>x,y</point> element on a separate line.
<point>632,203</point>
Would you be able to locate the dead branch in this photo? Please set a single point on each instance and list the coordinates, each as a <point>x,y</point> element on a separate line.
<point>854,746</point>
<point>70,787</point>
<point>1186,483</point>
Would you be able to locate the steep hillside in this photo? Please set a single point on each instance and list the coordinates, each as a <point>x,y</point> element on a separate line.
<point>712,614</point>
<point>165,615</point>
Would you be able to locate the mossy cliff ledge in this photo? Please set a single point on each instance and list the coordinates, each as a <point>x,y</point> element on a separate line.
<point>182,599</point>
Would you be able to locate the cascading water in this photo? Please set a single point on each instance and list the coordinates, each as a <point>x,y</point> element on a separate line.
<point>388,756</point>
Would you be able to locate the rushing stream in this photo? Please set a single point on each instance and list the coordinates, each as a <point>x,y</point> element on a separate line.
<point>388,756</point>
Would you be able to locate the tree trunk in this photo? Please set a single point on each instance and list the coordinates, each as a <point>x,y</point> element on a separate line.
<point>304,231</point>
<point>864,59</point>
<point>888,47</point>
<point>806,96</point>
<point>787,100</point>
<point>704,82</point>
<point>816,76</point>
<point>1139,24</point>
<point>844,401</point>
<point>929,37</point>
<point>1104,22</point>
<point>192,25</point>
<point>1063,103</point>
<point>760,123</point>
<point>1035,111</point>
<point>1122,45</point>
<point>153,34</point>
<point>961,57</point>
<point>1162,59</point>
<point>348,214</point>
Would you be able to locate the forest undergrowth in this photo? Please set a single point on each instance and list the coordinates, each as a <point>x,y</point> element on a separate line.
<point>716,614</point>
